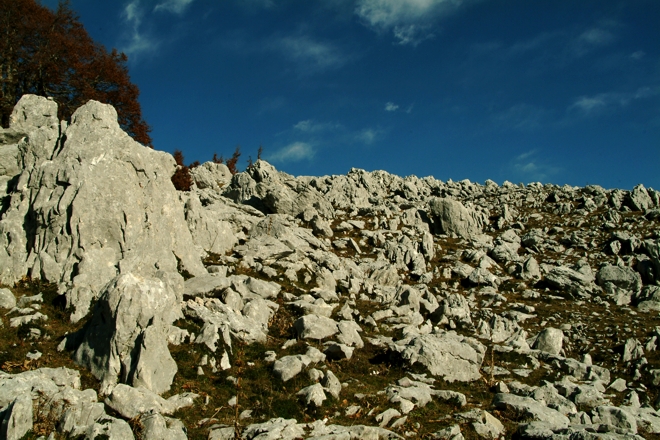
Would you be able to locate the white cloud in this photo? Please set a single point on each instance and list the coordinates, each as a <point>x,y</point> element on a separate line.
<point>593,38</point>
<point>137,42</point>
<point>391,107</point>
<point>174,6</point>
<point>310,126</point>
<point>596,36</point>
<point>294,152</point>
<point>590,105</point>
<point>411,21</point>
<point>367,135</point>
<point>311,55</point>
<point>530,167</point>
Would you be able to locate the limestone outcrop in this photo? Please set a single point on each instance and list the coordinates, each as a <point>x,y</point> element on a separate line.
<point>265,305</point>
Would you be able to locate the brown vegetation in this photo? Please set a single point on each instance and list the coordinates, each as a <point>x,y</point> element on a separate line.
<point>49,53</point>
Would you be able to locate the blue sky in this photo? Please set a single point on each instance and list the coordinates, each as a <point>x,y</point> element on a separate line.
<point>559,91</point>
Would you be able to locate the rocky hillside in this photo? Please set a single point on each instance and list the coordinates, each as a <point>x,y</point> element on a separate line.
<point>266,306</point>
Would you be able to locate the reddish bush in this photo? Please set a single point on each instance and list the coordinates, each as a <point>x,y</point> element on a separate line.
<point>233,160</point>
<point>181,177</point>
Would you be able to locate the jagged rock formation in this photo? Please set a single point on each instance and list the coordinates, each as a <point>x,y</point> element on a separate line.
<point>358,298</point>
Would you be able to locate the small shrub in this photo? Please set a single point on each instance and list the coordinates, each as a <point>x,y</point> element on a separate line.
<point>233,160</point>
<point>181,177</point>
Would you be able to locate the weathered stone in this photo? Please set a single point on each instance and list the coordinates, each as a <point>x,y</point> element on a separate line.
<point>550,340</point>
<point>127,335</point>
<point>7,299</point>
<point>531,408</point>
<point>131,402</point>
<point>17,419</point>
<point>445,354</point>
<point>157,427</point>
<point>315,327</point>
<point>312,394</point>
<point>100,205</point>
<point>454,218</point>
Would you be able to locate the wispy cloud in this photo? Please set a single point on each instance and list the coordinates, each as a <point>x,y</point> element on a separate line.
<point>137,41</point>
<point>638,55</point>
<point>391,107</point>
<point>556,47</point>
<point>293,152</point>
<point>310,126</point>
<point>309,54</point>
<point>530,166</point>
<point>411,21</point>
<point>602,34</point>
<point>592,105</point>
<point>524,117</point>
<point>140,34</point>
<point>174,6</point>
<point>368,135</point>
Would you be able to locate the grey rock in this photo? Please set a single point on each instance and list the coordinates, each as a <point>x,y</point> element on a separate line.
<point>315,327</point>
<point>131,402</point>
<point>335,351</point>
<point>452,432</point>
<point>17,419</point>
<point>579,281</point>
<point>312,394</point>
<point>613,416</point>
<point>455,219</point>
<point>619,385</point>
<point>639,199</point>
<point>157,427</point>
<point>622,277</point>
<point>7,299</point>
<point>445,354</point>
<point>127,334</point>
<point>212,234</point>
<point>531,408</point>
<point>331,384</point>
<point>349,334</point>
<point>455,308</point>
<point>211,175</point>
<point>110,205</point>
<point>222,321</point>
<point>550,340</point>
<point>273,429</point>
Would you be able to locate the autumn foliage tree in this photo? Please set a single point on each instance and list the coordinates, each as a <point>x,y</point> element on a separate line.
<point>49,53</point>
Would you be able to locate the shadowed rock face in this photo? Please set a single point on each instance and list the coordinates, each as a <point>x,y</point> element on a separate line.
<point>527,311</point>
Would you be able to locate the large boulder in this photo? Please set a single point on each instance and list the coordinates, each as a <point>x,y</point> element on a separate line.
<point>126,339</point>
<point>621,276</point>
<point>577,281</point>
<point>445,354</point>
<point>454,219</point>
<point>90,204</point>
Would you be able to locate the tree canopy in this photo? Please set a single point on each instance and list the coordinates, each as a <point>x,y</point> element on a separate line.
<point>49,53</point>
